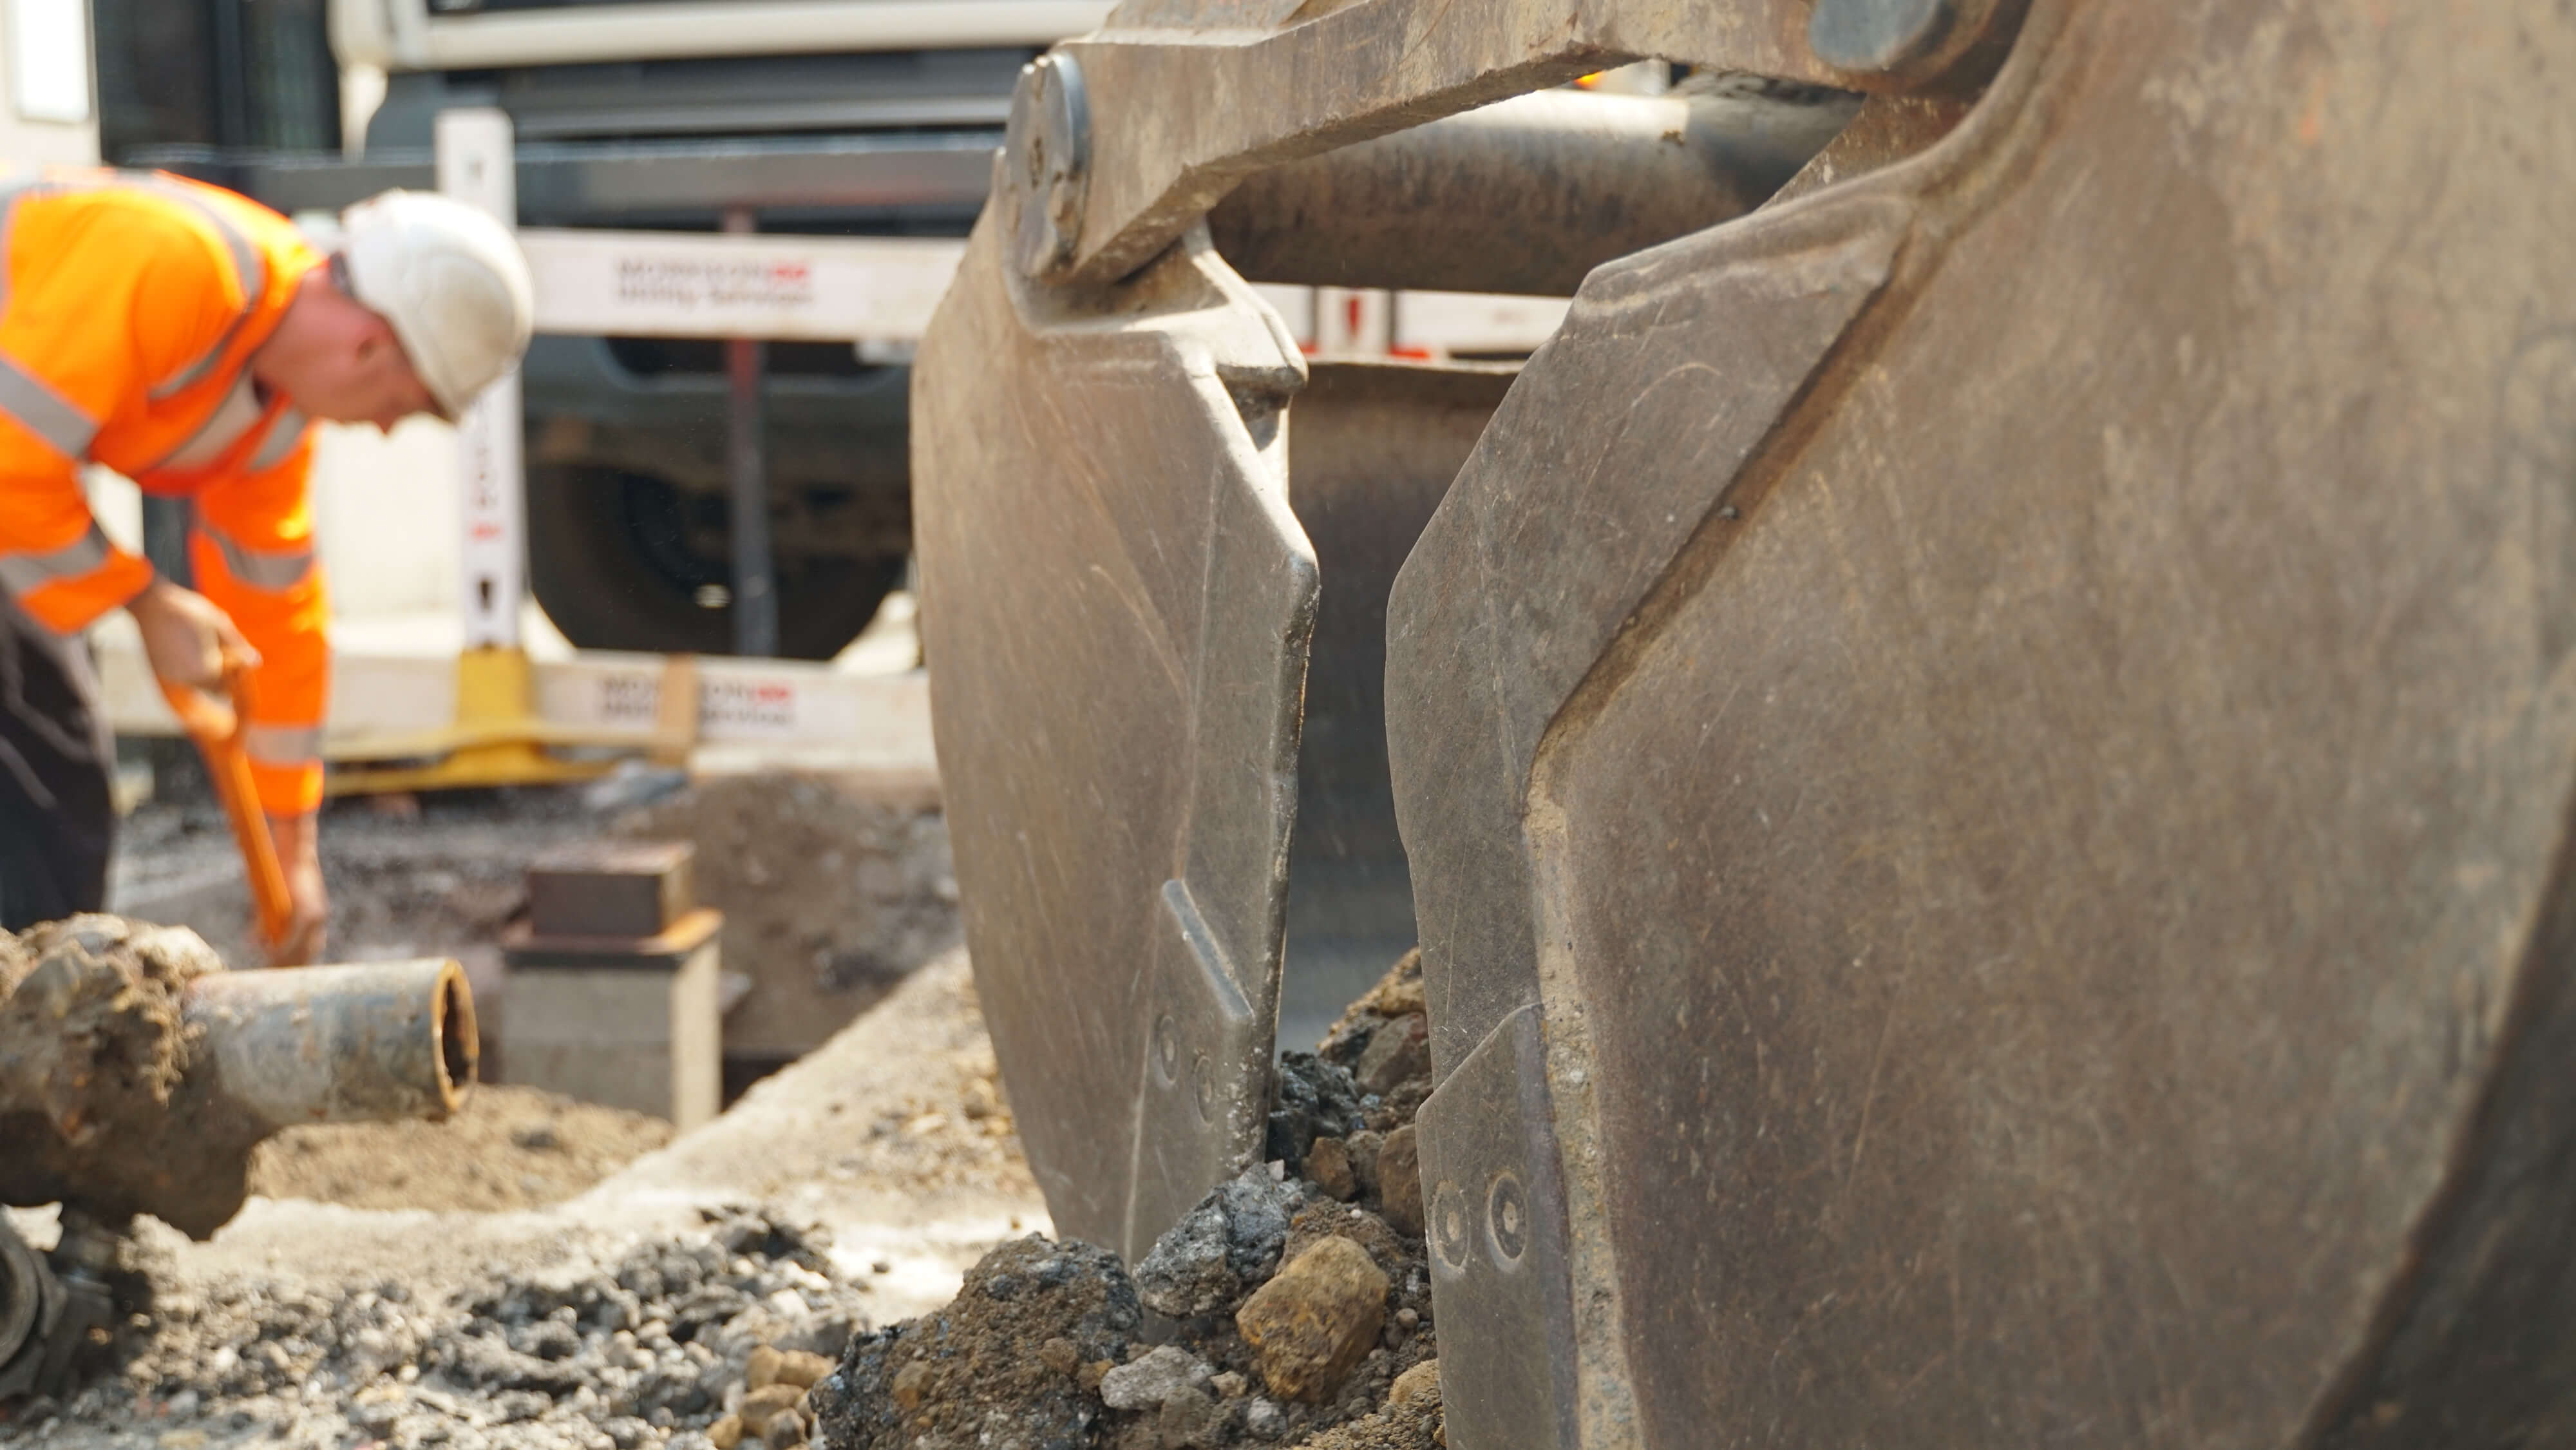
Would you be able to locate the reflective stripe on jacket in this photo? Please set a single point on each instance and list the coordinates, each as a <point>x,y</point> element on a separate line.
<point>129,307</point>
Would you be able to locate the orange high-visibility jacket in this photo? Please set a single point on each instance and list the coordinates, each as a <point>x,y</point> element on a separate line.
<point>132,305</point>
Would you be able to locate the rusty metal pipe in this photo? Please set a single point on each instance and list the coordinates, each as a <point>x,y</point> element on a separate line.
<point>1527,195</point>
<point>378,1042</point>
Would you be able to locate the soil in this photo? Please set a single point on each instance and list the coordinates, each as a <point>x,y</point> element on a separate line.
<point>1044,1347</point>
<point>1005,1364</point>
<point>834,887</point>
<point>508,1148</point>
<point>95,1063</point>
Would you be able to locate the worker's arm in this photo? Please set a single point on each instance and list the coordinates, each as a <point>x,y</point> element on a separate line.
<point>253,555</point>
<point>74,347</point>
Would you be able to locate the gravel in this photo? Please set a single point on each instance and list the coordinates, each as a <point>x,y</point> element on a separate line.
<point>648,1348</point>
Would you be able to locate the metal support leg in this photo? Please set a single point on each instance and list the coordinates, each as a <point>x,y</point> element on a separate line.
<point>755,591</point>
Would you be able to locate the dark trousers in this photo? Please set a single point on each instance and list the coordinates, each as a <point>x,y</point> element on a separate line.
<point>57,815</point>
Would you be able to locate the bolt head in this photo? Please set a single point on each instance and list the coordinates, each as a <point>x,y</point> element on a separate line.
<point>1046,162</point>
<point>1451,1228</point>
<point>1507,1220</point>
<point>1203,1087</point>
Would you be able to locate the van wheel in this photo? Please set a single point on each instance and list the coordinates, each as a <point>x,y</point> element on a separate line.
<point>614,558</point>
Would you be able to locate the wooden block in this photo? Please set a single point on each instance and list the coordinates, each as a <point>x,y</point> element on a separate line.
<point>612,889</point>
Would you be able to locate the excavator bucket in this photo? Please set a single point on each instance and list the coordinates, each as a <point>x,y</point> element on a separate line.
<point>1984,741</point>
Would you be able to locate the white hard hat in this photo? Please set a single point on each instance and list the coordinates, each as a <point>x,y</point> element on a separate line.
<point>452,282</point>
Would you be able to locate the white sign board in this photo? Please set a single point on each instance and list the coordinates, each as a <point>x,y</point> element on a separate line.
<point>814,289</point>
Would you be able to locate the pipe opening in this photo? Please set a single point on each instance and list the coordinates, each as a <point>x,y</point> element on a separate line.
<point>452,1028</point>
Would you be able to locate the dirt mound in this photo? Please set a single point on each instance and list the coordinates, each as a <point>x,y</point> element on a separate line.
<point>1300,1294</point>
<point>510,1148</point>
<point>1016,1360</point>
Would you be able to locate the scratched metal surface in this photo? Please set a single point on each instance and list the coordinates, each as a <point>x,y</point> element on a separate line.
<point>1118,601</point>
<point>2017,720</point>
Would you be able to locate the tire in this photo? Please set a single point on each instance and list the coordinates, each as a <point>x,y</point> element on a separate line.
<point>608,563</point>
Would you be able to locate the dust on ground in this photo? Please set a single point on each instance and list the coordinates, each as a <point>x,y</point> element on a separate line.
<point>508,1147</point>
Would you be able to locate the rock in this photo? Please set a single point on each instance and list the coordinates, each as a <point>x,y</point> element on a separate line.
<point>1202,1264</point>
<point>783,1429</point>
<point>1347,1221</point>
<point>1265,1420</point>
<point>1396,1052</point>
<point>768,1400</point>
<point>910,1384</point>
<point>762,1370</point>
<point>1059,1355</point>
<point>802,1368</point>
<point>489,1364</point>
<point>726,1433</point>
<point>1401,992</point>
<point>1316,1320</point>
<point>1189,1419</point>
<point>1315,1099</point>
<point>1362,1148</point>
<point>1421,1381</point>
<point>1229,1385</point>
<point>1399,1181</point>
<point>1158,1377</point>
<point>1396,996</point>
<point>1328,1167</point>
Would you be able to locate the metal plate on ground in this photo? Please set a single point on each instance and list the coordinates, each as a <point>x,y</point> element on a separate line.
<point>2043,867</point>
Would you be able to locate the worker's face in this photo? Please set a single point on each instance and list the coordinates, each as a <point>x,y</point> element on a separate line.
<point>369,379</point>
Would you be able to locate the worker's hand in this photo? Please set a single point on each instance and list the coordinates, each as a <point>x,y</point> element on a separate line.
<point>188,639</point>
<point>299,852</point>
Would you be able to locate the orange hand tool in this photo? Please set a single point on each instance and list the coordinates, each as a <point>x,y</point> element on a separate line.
<point>216,726</point>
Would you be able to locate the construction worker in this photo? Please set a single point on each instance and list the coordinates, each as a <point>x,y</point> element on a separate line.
<point>189,338</point>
